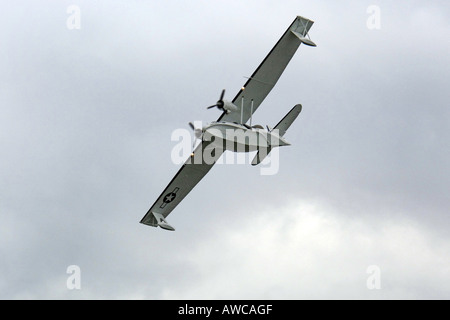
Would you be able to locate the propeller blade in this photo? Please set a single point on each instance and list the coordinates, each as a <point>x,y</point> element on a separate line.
<point>192,126</point>
<point>219,104</point>
<point>198,133</point>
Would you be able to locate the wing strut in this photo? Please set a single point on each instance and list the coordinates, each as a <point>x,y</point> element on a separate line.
<point>251,113</point>
<point>242,109</point>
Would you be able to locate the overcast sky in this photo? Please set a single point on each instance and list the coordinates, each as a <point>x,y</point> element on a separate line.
<point>85,137</point>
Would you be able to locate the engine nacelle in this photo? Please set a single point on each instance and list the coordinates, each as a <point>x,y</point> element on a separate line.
<point>228,106</point>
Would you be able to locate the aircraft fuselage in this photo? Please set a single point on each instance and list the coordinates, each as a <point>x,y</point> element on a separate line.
<point>241,137</point>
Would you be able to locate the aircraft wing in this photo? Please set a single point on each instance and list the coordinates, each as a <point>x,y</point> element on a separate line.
<point>192,171</point>
<point>269,71</point>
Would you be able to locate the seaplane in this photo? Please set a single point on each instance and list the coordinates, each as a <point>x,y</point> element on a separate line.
<point>231,130</point>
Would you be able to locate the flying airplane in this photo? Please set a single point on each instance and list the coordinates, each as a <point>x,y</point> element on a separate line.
<point>226,132</point>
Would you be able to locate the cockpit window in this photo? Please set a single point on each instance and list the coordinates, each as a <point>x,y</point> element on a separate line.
<point>258,126</point>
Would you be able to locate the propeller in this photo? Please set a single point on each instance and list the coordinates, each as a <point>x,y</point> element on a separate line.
<point>197,132</point>
<point>220,102</point>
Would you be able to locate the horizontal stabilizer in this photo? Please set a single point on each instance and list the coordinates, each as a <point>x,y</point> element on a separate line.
<point>288,119</point>
<point>261,155</point>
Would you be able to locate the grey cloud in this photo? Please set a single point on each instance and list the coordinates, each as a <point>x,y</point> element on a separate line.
<point>85,136</point>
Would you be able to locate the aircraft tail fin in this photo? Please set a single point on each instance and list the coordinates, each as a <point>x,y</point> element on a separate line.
<point>282,127</point>
<point>261,155</point>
